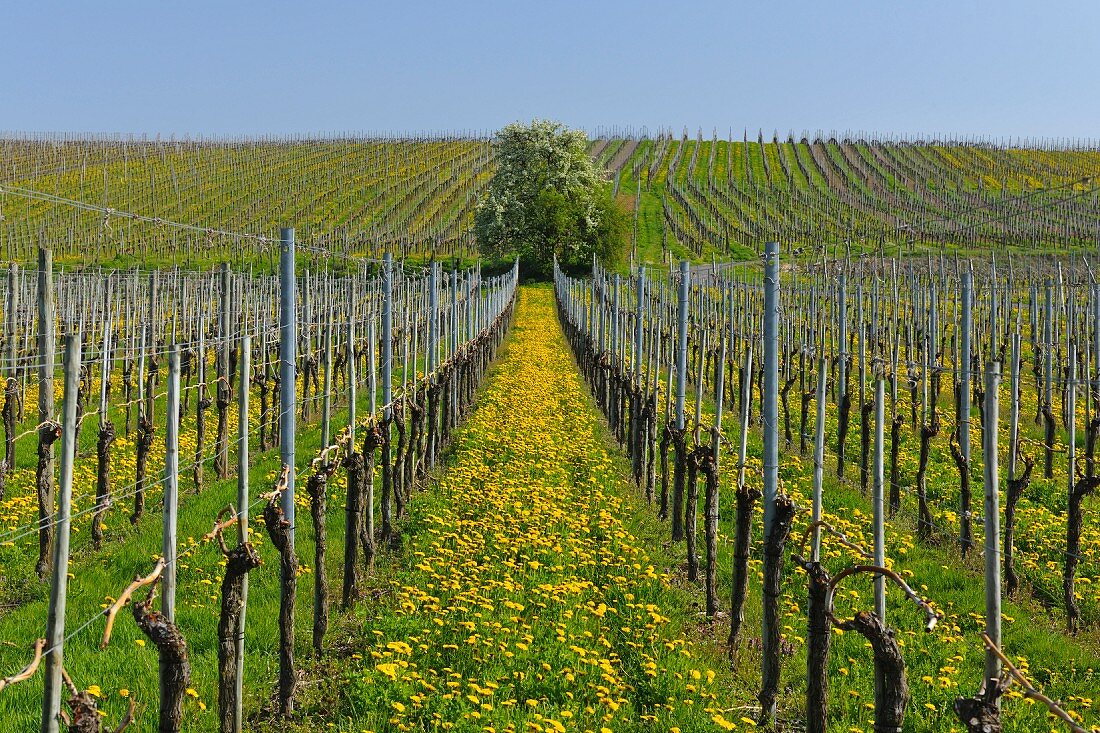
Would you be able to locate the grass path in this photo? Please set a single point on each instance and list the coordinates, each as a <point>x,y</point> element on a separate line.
<point>525,598</point>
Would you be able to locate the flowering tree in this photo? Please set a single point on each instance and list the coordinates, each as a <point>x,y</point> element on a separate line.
<point>547,198</point>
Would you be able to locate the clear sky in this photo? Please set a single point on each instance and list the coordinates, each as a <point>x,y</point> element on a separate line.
<point>1005,68</point>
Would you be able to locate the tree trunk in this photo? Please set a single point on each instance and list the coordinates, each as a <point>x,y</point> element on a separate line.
<point>103,480</point>
<point>666,439</point>
<point>772,589</point>
<point>278,528</point>
<point>354,507</point>
<point>842,432</point>
<point>48,433</point>
<point>742,543</point>
<point>981,713</point>
<point>710,521</point>
<point>679,478</point>
<point>239,561</point>
<point>891,690</point>
<point>895,478</point>
<point>691,509</point>
<point>316,487</point>
<point>366,488</point>
<point>966,542</point>
<point>1083,487</point>
<point>11,401</point>
<point>924,520</point>
<point>1015,490</point>
<point>145,430</point>
<point>221,452</point>
<point>818,639</point>
<point>175,669</point>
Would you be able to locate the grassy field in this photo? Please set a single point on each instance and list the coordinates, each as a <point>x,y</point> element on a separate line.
<point>531,592</point>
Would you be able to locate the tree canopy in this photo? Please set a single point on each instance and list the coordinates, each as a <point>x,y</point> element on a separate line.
<point>548,198</point>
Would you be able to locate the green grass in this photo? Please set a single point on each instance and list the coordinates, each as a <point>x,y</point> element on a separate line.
<point>530,591</point>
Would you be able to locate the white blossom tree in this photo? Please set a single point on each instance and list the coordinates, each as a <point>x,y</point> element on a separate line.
<point>547,198</point>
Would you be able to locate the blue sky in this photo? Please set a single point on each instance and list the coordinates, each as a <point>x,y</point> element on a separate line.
<point>1003,68</point>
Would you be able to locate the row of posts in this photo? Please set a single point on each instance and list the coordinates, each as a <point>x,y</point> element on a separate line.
<point>770,419</point>
<point>602,320</point>
<point>55,637</point>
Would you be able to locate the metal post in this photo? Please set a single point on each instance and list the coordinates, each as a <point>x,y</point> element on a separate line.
<point>433,355</point>
<point>387,335</point>
<point>171,486</point>
<point>681,344</point>
<point>601,290</point>
<point>55,621</point>
<point>770,415</point>
<point>9,320</point>
<point>245,366</point>
<point>964,390</point>
<point>1048,346</point>
<point>222,454</point>
<point>1014,406</point>
<point>993,315</point>
<point>47,324</point>
<point>433,317</point>
<point>842,361</point>
<point>877,497</point>
<point>326,402</point>
<point>454,315</point>
<point>819,453</point>
<point>1071,413</point>
<point>351,381</point>
<point>992,516</point>
<point>719,399</point>
<point>288,392</point>
<point>387,391</point>
<point>770,418</point>
<point>590,328</point>
<point>616,315</point>
<point>372,364</point>
<point>288,387</point>
<point>1095,384</point>
<point>746,398</point>
<point>639,320</point>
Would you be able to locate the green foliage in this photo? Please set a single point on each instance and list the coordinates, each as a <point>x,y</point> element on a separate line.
<point>548,199</point>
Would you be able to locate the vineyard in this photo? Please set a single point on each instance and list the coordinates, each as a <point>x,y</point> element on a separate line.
<point>357,196</point>
<point>699,198</point>
<point>820,454</point>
